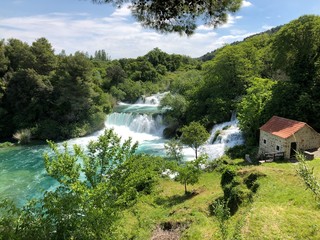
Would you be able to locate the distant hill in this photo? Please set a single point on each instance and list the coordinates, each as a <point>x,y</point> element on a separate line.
<point>210,55</point>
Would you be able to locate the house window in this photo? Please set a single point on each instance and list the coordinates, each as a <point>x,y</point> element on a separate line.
<point>278,148</point>
<point>264,141</point>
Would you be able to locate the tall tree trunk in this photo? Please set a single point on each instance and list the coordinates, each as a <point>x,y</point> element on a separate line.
<point>185,187</point>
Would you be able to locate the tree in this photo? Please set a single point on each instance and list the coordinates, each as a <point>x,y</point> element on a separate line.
<point>92,191</point>
<point>194,135</point>
<point>190,171</point>
<point>173,149</point>
<point>27,98</point>
<point>45,60</point>
<point>176,108</point>
<point>251,109</point>
<point>179,16</point>
<point>296,50</point>
<point>4,61</point>
<point>296,53</point>
<point>19,55</point>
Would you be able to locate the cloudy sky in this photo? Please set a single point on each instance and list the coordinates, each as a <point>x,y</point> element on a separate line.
<point>79,25</point>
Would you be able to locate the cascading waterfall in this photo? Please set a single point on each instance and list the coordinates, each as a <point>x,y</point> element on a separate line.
<point>140,123</point>
<point>224,135</point>
<point>22,172</point>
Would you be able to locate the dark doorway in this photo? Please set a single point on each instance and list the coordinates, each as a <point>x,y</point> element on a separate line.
<point>293,149</point>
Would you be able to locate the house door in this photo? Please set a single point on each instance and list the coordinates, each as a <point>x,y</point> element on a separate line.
<point>293,149</point>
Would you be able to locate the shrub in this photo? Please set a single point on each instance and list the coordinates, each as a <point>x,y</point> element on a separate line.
<point>6,144</point>
<point>240,151</point>
<point>23,136</point>
<point>251,180</point>
<point>238,187</point>
<point>228,175</point>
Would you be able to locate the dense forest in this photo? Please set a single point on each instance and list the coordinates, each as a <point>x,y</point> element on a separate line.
<point>108,191</point>
<point>58,96</point>
<point>272,73</point>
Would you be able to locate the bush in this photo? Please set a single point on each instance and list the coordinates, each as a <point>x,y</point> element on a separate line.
<point>228,175</point>
<point>48,129</point>
<point>6,144</point>
<point>241,150</point>
<point>218,164</point>
<point>238,187</point>
<point>23,136</point>
<point>251,180</point>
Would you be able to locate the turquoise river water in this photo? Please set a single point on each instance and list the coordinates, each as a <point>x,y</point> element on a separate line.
<point>22,173</point>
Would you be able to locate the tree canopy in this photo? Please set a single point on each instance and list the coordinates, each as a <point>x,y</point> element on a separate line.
<point>194,135</point>
<point>179,16</point>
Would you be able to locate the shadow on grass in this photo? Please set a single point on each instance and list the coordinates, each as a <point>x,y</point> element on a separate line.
<point>175,199</point>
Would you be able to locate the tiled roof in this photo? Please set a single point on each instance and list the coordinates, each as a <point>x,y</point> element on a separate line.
<point>282,127</point>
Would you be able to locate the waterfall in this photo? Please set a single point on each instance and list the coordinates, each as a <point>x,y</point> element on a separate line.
<point>224,135</point>
<point>139,123</point>
<point>151,100</point>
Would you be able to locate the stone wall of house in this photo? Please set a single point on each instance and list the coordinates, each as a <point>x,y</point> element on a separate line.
<point>270,143</point>
<point>305,138</point>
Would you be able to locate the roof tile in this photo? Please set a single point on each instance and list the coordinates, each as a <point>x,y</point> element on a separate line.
<point>282,127</point>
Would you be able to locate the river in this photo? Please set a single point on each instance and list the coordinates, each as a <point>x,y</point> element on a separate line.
<point>22,173</point>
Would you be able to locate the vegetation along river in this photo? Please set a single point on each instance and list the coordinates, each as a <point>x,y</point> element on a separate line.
<point>22,173</point>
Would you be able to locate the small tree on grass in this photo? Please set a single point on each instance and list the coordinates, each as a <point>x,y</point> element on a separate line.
<point>194,135</point>
<point>173,149</point>
<point>190,172</point>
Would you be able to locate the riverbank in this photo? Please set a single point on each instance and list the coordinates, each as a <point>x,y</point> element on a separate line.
<point>282,208</point>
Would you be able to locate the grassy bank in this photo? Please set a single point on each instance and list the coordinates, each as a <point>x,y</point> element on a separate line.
<point>282,208</point>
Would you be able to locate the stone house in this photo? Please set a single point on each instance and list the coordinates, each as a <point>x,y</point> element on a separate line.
<point>281,135</point>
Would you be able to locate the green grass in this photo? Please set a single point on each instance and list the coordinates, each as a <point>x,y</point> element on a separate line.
<point>282,208</point>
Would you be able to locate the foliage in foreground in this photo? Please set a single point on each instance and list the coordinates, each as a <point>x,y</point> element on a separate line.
<point>307,174</point>
<point>89,196</point>
<point>179,16</point>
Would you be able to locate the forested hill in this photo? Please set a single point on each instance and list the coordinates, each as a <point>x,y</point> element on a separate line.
<point>210,55</point>
<point>272,73</point>
<point>57,96</point>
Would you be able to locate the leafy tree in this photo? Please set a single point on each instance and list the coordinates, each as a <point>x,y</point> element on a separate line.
<point>28,98</point>
<point>295,49</point>
<point>190,171</point>
<point>115,74</point>
<point>92,191</point>
<point>76,97</point>
<point>251,108</point>
<point>176,109</point>
<point>45,60</point>
<point>101,55</point>
<point>19,54</point>
<point>194,135</point>
<point>133,90</point>
<point>179,16</point>
<point>4,61</point>
<point>226,79</point>
<point>173,149</point>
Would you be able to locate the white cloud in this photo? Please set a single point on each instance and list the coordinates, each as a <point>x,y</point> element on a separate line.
<point>231,21</point>
<point>124,11</point>
<point>246,3</point>
<point>119,37</point>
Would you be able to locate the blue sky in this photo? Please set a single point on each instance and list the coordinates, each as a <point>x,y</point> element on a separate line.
<point>79,25</point>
